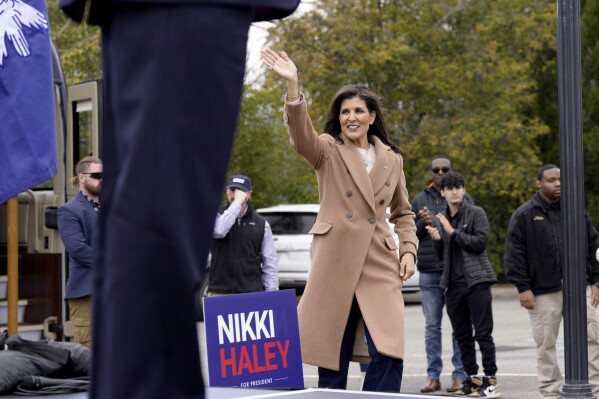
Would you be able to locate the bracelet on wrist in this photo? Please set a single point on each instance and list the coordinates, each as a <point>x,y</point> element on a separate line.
<point>292,98</point>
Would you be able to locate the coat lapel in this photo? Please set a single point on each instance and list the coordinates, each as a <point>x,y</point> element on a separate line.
<point>350,156</point>
<point>385,161</point>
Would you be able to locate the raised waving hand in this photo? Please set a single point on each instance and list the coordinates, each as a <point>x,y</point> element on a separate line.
<point>282,65</point>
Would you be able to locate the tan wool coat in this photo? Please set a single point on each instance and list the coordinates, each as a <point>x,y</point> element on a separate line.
<point>353,251</point>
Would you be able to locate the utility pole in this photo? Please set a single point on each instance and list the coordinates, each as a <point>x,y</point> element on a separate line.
<point>574,248</point>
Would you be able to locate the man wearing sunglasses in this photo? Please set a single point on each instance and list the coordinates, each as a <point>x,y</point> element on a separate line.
<point>425,205</point>
<point>76,223</point>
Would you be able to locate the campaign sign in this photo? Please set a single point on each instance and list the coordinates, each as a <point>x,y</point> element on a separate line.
<point>253,340</point>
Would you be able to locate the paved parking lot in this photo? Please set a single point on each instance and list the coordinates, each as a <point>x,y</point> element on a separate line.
<point>515,348</point>
<point>516,353</point>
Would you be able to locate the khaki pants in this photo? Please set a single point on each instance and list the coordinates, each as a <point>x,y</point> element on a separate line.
<point>80,312</point>
<point>593,343</point>
<point>545,320</point>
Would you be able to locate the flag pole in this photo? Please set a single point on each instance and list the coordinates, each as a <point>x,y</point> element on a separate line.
<point>13,263</point>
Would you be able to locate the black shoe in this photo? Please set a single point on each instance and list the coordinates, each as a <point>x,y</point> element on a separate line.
<point>466,388</point>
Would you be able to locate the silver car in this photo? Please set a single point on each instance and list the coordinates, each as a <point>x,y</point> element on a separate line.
<point>290,226</point>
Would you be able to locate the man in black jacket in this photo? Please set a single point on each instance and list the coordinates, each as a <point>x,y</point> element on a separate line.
<point>243,258</point>
<point>532,262</point>
<point>460,235</point>
<point>425,205</point>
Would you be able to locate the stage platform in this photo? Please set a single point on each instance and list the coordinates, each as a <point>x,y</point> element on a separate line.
<point>310,393</point>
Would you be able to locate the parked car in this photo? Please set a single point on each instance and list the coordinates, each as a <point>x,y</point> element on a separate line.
<point>290,225</point>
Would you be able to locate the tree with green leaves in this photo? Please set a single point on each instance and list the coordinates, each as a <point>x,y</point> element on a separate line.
<point>454,75</point>
<point>590,103</point>
<point>262,152</point>
<point>78,46</point>
<point>545,72</point>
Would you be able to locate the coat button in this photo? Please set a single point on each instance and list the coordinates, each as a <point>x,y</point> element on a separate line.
<point>381,202</point>
<point>348,193</point>
<point>371,221</point>
<point>387,183</point>
<point>386,166</point>
<point>349,214</point>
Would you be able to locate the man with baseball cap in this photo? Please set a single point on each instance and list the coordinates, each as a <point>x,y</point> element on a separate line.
<point>243,253</point>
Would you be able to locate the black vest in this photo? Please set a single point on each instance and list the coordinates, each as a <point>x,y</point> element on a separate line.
<point>236,264</point>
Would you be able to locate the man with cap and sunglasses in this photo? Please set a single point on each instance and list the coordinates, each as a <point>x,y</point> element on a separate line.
<point>76,223</point>
<point>244,258</point>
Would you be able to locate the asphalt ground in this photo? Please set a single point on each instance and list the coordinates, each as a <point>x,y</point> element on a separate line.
<point>516,359</point>
<point>515,350</point>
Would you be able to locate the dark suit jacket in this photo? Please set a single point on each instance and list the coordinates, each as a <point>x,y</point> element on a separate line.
<point>265,9</point>
<point>76,223</point>
<point>151,253</point>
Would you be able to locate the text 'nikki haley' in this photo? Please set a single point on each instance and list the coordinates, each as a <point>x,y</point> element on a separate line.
<point>253,357</point>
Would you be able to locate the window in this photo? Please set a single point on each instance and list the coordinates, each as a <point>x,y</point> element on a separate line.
<point>290,223</point>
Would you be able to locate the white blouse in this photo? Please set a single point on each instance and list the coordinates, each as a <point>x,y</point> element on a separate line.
<point>368,156</point>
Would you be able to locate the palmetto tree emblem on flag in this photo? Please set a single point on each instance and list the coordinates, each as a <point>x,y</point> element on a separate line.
<point>14,16</point>
<point>28,151</point>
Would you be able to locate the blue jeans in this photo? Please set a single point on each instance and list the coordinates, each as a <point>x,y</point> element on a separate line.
<point>383,374</point>
<point>433,300</point>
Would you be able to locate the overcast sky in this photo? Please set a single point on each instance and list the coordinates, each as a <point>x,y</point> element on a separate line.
<point>256,40</point>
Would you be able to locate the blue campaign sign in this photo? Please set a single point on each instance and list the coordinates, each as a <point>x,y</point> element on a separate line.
<point>253,340</point>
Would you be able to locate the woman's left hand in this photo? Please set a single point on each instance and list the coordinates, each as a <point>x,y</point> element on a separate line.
<point>407,266</point>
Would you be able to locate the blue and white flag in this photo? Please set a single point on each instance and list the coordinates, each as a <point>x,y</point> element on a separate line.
<point>27,120</point>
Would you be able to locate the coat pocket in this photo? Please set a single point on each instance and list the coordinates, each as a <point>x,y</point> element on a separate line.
<point>320,228</point>
<point>390,242</point>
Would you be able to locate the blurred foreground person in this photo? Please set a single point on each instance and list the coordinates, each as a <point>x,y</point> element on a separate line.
<point>173,75</point>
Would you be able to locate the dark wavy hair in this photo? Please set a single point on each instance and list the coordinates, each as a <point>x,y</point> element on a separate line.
<point>453,180</point>
<point>373,103</point>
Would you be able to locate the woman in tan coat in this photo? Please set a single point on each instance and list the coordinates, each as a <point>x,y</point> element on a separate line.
<point>356,271</point>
